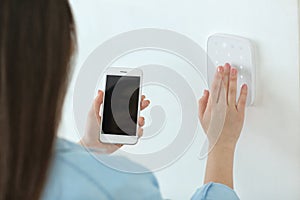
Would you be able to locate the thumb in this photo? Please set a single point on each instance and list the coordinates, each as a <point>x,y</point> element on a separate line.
<point>97,104</point>
<point>203,103</point>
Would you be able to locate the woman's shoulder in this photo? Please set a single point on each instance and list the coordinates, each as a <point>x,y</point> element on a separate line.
<point>78,173</point>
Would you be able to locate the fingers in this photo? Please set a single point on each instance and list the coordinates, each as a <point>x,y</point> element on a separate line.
<point>140,132</point>
<point>227,69</point>
<point>215,90</point>
<point>203,103</point>
<point>222,99</point>
<point>141,121</point>
<point>97,104</point>
<point>141,124</point>
<point>242,99</point>
<point>144,103</point>
<point>232,87</point>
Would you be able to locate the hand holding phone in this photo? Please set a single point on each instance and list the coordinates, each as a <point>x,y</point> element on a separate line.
<point>91,135</point>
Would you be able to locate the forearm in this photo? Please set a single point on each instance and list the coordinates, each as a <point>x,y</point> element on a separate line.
<point>219,167</point>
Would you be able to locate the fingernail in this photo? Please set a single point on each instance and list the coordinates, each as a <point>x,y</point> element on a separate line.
<point>245,87</point>
<point>205,92</point>
<point>227,66</point>
<point>233,71</point>
<point>220,69</point>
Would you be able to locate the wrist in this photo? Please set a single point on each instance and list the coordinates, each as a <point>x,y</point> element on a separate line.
<point>223,147</point>
<point>224,140</point>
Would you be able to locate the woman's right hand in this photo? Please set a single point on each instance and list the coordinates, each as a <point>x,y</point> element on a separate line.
<point>220,115</point>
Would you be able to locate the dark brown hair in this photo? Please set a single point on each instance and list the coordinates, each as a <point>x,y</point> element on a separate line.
<point>37,39</point>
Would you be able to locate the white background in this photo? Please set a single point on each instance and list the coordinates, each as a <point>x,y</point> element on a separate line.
<point>267,162</point>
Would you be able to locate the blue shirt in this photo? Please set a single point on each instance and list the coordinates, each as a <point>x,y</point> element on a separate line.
<point>76,175</point>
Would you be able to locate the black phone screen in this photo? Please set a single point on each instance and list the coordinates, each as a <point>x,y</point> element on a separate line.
<point>120,109</point>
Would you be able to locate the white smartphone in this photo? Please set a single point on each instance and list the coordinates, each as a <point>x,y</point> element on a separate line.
<point>121,105</point>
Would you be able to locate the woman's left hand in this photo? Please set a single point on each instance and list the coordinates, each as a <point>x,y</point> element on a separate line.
<point>92,130</point>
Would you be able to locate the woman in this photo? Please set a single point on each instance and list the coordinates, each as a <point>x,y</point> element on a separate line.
<point>37,41</point>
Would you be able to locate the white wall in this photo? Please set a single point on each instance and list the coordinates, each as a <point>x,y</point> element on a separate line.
<point>267,163</point>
